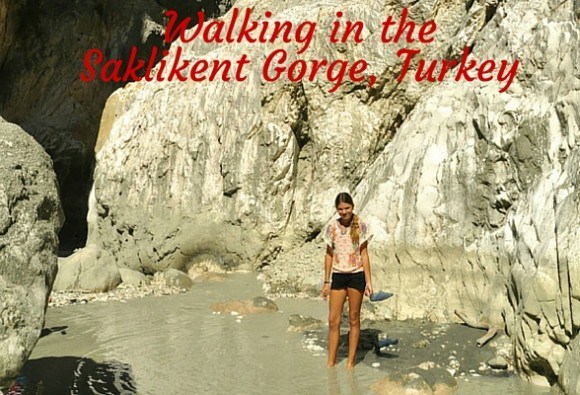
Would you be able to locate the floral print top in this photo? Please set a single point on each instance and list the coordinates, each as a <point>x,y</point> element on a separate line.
<point>346,257</point>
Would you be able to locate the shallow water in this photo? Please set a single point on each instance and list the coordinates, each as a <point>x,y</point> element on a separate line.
<point>177,345</point>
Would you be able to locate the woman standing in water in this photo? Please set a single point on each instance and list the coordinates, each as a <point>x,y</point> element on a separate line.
<point>347,261</point>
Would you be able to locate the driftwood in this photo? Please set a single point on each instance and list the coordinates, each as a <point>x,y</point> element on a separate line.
<point>491,329</point>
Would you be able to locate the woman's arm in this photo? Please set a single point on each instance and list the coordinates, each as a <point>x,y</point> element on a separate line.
<point>327,271</point>
<point>367,269</point>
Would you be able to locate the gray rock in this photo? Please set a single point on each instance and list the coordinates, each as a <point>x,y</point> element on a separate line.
<point>176,278</point>
<point>419,380</point>
<point>300,323</point>
<point>133,278</point>
<point>421,343</point>
<point>84,271</point>
<point>264,303</point>
<point>568,378</point>
<point>257,305</point>
<point>30,219</point>
<point>498,362</point>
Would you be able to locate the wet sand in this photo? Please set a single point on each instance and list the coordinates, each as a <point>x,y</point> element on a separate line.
<point>175,344</point>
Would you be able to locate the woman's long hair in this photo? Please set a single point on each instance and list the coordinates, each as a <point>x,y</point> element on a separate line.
<point>344,197</point>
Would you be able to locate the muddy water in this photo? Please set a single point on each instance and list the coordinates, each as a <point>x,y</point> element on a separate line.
<point>177,345</point>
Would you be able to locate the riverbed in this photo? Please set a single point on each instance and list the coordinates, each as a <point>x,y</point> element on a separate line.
<point>176,344</point>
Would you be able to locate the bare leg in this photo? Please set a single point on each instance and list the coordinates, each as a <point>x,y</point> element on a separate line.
<point>336,303</point>
<point>355,298</point>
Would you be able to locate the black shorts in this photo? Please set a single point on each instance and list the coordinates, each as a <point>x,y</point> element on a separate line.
<point>348,280</point>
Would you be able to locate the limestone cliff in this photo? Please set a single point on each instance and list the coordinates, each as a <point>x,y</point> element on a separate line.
<point>471,193</point>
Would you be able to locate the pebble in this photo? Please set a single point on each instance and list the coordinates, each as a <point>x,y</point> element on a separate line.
<point>426,365</point>
<point>454,364</point>
<point>310,344</point>
<point>376,365</point>
<point>120,294</point>
<point>314,347</point>
<point>498,363</point>
<point>421,343</point>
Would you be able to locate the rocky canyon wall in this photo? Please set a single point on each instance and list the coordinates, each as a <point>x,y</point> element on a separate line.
<point>476,193</point>
<point>471,193</point>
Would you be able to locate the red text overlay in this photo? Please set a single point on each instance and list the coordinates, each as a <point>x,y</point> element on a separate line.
<point>281,64</point>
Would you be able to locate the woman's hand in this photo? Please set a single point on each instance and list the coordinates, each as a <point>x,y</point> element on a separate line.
<point>367,269</point>
<point>368,289</point>
<point>325,291</point>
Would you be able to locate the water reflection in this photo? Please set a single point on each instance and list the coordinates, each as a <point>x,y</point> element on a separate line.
<point>350,384</point>
<point>74,376</point>
<point>353,384</point>
<point>333,385</point>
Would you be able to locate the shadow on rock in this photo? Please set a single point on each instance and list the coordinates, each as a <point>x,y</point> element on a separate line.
<point>73,375</point>
<point>54,329</point>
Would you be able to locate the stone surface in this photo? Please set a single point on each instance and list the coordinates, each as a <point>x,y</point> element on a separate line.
<point>176,278</point>
<point>257,305</point>
<point>498,363</point>
<point>423,380</point>
<point>30,219</point>
<point>300,323</point>
<point>84,271</point>
<point>568,378</point>
<point>133,278</point>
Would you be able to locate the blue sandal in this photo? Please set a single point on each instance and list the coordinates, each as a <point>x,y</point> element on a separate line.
<point>380,296</point>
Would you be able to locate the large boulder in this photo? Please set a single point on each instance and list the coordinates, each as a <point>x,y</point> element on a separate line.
<point>30,219</point>
<point>83,271</point>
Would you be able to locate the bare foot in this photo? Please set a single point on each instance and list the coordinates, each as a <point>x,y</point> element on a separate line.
<point>330,364</point>
<point>350,365</point>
